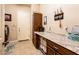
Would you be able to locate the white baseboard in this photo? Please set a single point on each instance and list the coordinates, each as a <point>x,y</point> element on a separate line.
<point>23,40</point>
<point>19,40</point>
<point>14,41</point>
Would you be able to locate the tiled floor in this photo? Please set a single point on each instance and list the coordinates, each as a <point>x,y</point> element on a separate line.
<point>25,48</point>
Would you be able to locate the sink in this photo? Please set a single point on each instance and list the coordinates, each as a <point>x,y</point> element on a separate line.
<point>74,37</point>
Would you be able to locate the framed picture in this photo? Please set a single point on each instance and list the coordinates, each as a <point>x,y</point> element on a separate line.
<point>7,17</point>
<point>45,20</point>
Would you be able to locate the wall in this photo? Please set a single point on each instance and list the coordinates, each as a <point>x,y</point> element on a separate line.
<point>12,9</point>
<point>71,17</point>
<point>0,20</point>
<point>35,8</point>
<point>2,11</point>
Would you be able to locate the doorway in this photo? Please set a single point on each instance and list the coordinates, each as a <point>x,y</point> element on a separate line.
<point>23,23</point>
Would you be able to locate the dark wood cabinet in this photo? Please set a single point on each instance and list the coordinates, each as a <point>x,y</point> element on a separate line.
<point>37,23</point>
<point>36,41</point>
<point>53,48</point>
<point>43,45</point>
<point>50,51</point>
<point>59,50</point>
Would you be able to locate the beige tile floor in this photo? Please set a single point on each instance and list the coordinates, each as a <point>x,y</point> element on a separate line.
<point>25,48</point>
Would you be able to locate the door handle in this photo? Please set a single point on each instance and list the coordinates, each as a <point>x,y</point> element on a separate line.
<point>55,47</point>
<point>19,29</point>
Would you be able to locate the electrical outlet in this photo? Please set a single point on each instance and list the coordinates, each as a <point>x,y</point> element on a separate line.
<point>49,29</point>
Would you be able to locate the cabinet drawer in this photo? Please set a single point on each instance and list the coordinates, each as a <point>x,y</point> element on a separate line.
<point>60,49</point>
<point>50,51</point>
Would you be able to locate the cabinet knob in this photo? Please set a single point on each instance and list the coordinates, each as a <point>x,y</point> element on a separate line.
<point>55,47</point>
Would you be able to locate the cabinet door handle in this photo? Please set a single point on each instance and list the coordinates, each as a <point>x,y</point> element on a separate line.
<point>55,47</point>
<point>19,29</point>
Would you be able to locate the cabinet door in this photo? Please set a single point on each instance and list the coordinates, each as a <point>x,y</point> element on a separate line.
<point>37,21</point>
<point>36,41</point>
<point>50,51</point>
<point>56,53</point>
<point>59,49</point>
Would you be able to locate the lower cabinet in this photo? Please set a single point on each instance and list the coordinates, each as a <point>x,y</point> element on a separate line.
<point>51,48</point>
<point>55,49</point>
<point>51,51</point>
<point>43,45</point>
<point>36,41</point>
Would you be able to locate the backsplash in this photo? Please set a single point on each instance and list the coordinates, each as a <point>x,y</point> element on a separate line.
<point>75,29</point>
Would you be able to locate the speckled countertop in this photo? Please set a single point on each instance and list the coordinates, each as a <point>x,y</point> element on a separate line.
<point>61,40</point>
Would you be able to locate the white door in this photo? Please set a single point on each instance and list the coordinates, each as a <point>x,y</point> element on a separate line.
<point>23,24</point>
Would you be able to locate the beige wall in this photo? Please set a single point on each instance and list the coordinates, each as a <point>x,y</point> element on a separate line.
<point>71,16</point>
<point>12,9</point>
<point>35,8</point>
<point>0,20</point>
<point>2,11</point>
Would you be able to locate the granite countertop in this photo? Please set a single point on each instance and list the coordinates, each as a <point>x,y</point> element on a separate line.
<point>61,40</point>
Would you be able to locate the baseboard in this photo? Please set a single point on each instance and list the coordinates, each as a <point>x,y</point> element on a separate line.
<point>14,41</point>
<point>23,40</point>
<point>19,40</point>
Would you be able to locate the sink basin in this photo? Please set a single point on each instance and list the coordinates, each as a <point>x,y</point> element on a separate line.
<point>73,36</point>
